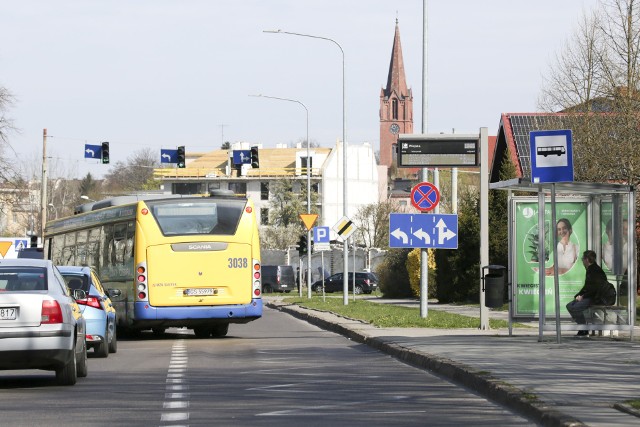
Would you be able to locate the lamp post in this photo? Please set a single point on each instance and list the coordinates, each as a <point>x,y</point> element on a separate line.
<point>308,186</point>
<point>344,154</point>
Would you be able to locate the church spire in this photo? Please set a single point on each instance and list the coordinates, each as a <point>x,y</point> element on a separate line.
<point>396,104</point>
<point>396,80</point>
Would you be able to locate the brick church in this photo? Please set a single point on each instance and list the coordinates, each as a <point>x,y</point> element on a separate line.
<point>396,105</point>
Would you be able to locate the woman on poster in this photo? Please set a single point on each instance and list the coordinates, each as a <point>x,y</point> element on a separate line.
<point>567,250</point>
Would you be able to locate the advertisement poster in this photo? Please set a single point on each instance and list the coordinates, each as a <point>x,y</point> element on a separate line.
<point>607,250</point>
<point>571,227</point>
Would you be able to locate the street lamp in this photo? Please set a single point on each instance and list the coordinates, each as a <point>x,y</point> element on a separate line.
<point>344,153</point>
<point>308,186</point>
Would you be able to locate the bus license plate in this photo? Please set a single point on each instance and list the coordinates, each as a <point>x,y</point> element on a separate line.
<point>196,292</point>
<point>8,313</point>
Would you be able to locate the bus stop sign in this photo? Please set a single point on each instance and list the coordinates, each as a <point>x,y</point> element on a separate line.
<point>425,196</point>
<point>551,156</point>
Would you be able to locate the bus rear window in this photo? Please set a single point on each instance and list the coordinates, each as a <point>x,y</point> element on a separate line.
<point>197,217</point>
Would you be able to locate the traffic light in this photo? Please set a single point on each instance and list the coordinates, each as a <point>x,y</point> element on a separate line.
<point>255,161</point>
<point>33,243</point>
<point>105,153</point>
<point>180,157</point>
<point>302,245</point>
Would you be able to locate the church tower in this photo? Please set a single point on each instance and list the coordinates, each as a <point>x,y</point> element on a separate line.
<point>396,105</point>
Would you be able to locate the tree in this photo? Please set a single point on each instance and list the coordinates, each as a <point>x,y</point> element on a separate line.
<point>225,145</point>
<point>136,174</point>
<point>287,201</point>
<point>372,222</point>
<point>6,124</point>
<point>595,80</point>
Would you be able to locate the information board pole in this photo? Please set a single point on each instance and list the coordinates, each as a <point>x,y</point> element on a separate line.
<point>483,146</point>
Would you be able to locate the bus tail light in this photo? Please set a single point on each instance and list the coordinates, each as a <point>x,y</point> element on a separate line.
<point>142,281</point>
<point>257,279</point>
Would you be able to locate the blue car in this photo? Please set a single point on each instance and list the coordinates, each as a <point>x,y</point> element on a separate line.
<point>97,308</point>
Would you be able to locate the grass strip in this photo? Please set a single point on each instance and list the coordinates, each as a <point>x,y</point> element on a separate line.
<point>393,316</point>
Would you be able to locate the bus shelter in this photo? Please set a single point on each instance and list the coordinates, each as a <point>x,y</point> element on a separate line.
<point>550,226</point>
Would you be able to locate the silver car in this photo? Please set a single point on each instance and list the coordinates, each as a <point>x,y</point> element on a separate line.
<point>41,326</point>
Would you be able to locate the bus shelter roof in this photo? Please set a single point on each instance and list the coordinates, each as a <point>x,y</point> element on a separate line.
<point>591,188</point>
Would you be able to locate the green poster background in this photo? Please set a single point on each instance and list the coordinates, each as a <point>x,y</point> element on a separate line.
<point>606,213</point>
<point>526,263</point>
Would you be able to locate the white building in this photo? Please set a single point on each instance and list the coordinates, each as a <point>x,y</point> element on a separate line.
<point>215,170</point>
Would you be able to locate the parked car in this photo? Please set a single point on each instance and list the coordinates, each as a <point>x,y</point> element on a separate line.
<point>41,325</point>
<point>97,308</point>
<point>278,278</point>
<point>366,283</point>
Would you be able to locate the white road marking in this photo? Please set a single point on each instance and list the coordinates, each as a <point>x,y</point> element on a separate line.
<point>176,382</point>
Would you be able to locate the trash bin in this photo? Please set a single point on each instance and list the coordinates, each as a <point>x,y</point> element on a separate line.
<point>494,279</point>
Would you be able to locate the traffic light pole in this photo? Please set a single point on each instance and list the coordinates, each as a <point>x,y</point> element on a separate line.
<point>308,263</point>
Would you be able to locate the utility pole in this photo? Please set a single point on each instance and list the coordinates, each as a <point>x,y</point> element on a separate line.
<point>43,188</point>
<point>222,133</point>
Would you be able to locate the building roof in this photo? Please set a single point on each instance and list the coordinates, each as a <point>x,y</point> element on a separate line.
<point>273,162</point>
<point>513,135</point>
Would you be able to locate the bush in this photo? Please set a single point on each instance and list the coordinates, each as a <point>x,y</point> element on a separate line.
<point>392,272</point>
<point>413,269</point>
<point>458,270</point>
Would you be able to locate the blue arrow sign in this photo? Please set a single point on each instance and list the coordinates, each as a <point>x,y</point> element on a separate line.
<point>423,231</point>
<point>92,151</point>
<point>241,157</point>
<point>168,156</point>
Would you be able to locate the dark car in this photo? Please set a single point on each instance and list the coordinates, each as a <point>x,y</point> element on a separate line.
<point>365,283</point>
<point>278,278</point>
<point>32,253</point>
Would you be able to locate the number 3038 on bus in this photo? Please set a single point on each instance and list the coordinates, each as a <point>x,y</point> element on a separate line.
<point>238,263</point>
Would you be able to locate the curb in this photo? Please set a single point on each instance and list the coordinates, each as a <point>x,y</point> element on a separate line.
<point>459,373</point>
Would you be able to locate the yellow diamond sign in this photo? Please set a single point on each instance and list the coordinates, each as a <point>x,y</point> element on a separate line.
<point>308,220</point>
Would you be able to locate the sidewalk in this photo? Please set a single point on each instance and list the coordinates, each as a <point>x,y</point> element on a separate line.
<point>581,381</point>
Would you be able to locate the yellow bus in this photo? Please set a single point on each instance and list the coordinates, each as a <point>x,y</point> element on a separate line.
<point>178,261</point>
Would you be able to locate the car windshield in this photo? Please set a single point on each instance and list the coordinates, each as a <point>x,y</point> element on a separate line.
<point>17,279</point>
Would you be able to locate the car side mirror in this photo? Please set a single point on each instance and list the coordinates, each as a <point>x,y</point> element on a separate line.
<point>114,292</point>
<point>79,294</point>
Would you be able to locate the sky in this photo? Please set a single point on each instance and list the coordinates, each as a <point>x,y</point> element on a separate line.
<point>163,73</point>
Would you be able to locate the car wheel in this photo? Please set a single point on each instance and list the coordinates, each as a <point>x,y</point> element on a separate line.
<point>102,349</point>
<point>202,332</point>
<point>358,289</point>
<point>318,289</point>
<point>220,331</point>
<point>266,289</point>
<point>113,344</point>
<point>82,362</point>
<point>68,374</point>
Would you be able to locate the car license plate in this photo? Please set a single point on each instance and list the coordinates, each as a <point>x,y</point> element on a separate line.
<point>8,313</point>
<point>197,292</point>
